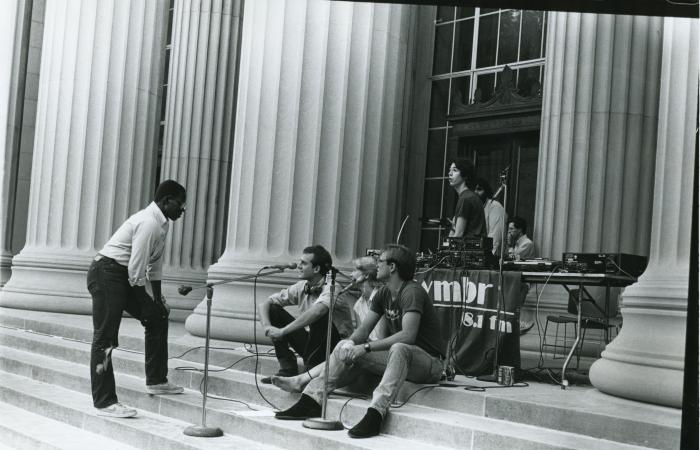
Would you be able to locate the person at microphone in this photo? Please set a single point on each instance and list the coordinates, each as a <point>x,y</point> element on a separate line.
<point>364,276</point>
<point>494,213</point>
<point>121,274</point>
<point>313,299</point>
<point>413,350</point>
<point>469,220</point>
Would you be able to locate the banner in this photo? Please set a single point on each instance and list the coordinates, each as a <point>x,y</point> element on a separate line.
<point>466,303</point>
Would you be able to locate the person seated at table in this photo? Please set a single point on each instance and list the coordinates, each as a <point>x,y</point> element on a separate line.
<point>494,214</point>
<point>313,299</point>
<point>468,220</point>
<point>414,349</point>
<point>520,248</point>
<point>365,274</point>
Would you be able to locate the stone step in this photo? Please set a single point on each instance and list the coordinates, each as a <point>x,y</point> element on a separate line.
<point>146,431</point>
<point>418,423</point>
<point>577,410</point>
<point>233,418</point>
<point>22,429</point>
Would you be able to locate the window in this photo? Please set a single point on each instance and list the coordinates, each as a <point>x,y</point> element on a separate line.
<point>472,47</point>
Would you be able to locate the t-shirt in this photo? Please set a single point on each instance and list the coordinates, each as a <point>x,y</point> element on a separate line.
<point>495,220</point>
<point>411,298</point>
<point>470,207</point>
<point>297,295</point>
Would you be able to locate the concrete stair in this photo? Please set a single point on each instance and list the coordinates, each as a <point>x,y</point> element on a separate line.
<point>53,359</point>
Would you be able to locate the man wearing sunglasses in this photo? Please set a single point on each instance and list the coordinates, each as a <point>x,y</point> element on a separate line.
<point>124,270</point>
<point>413,350</point>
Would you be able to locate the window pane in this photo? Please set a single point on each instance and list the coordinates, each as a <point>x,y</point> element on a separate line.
<point>438,103</point>
<point>445,13</point>
<point>484,87</point>
<point>432,195</point>
<point>486,48</point>
<point>544,35</point>
<point>508,37</point>
<point>487,10</point>
<point>527,79</point>
<point>464,35</point>
<point>460,92</point>
<point>524,204</point>
<point>464,11</point>
<point>435,164</point>
<point>443,47</point>
<point>531,35</point>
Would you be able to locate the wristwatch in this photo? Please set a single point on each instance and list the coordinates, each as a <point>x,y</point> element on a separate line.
<point>368,348</point>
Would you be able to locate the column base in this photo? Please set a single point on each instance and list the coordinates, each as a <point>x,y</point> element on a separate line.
<point>49,282</point>
<point>645,362</point>
<point>5,268</point>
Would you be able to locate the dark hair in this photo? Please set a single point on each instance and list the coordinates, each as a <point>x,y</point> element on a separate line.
<point>519,223</point>
<point>169,188</point>
<point>466,170</point>
<point>404,259</point>
<point>321,258</point>
<point>485,186</point>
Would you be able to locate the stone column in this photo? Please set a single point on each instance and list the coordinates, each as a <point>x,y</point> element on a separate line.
<point>646,361</point>
<point>94,146</point>
<point>317,146</point>
<point>597,141</point>
<point>198,145</point>
<point>14,49</point>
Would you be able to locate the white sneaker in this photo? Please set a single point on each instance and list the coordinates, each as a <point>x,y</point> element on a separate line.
<point>116,410</point>
<point>164,389</point>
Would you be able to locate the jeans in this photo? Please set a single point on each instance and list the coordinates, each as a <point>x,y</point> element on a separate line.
<point>401,362</point>
<point>311,345</point>
<point>112,294</point>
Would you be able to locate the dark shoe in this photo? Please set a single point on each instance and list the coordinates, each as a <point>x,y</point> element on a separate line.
<point>281,373</point>
<point>305,408</point>
<point>369,425</point>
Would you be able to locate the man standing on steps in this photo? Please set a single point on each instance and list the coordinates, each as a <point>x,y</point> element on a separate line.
<point>118,278</point>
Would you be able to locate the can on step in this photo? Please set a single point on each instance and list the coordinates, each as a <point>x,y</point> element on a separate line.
<point>506,375</point>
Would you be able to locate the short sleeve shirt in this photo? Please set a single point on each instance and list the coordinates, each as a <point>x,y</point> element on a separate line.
<point>470,208</point>
<point>411,298</point>
<point>298,295</point>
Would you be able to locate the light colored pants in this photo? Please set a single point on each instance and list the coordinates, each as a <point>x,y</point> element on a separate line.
<point>401,362</point>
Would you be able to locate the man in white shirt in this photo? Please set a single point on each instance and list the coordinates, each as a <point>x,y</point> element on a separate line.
<point>520,246</point>
<point>313,299</point>
<point>124,270</point>
<point>494,213</point>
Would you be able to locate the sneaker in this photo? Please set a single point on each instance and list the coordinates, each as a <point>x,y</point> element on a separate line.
<point>116,410</point>
<point>305,408</point>
<point>367,427</point>
<point>525,326</point>
<point>164,389</point>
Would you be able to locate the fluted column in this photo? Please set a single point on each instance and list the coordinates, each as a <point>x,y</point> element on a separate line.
<point>94,147</point>
<point>199,139</point>
<point>318,143</point>
<point>14,48</point>
<point>595,178</point>
<point>646,361</point>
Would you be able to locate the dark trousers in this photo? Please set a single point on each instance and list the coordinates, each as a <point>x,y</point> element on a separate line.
<point>108,283</point>
<point>310,345</point>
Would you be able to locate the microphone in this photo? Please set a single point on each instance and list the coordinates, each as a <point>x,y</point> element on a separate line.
<point>290,265</point>
<point>354,283</point>
<point>184,290</point>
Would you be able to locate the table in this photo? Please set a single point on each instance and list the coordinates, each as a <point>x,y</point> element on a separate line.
<point>581,280</point>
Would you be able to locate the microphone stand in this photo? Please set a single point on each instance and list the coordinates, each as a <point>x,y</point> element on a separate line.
<point>203,430</point>
<point>323,423</point>
<point>493,377</point>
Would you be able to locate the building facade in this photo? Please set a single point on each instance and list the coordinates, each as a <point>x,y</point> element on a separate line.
<point>293,122</point>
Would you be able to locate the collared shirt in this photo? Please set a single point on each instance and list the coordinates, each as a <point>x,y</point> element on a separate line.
<point>495,215</point>
<point>139,243</point>
<point>297,295</point>
<point>523,249</point>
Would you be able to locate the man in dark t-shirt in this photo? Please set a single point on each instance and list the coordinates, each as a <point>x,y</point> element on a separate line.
<point>413,351</point>
<point>469,219</point>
